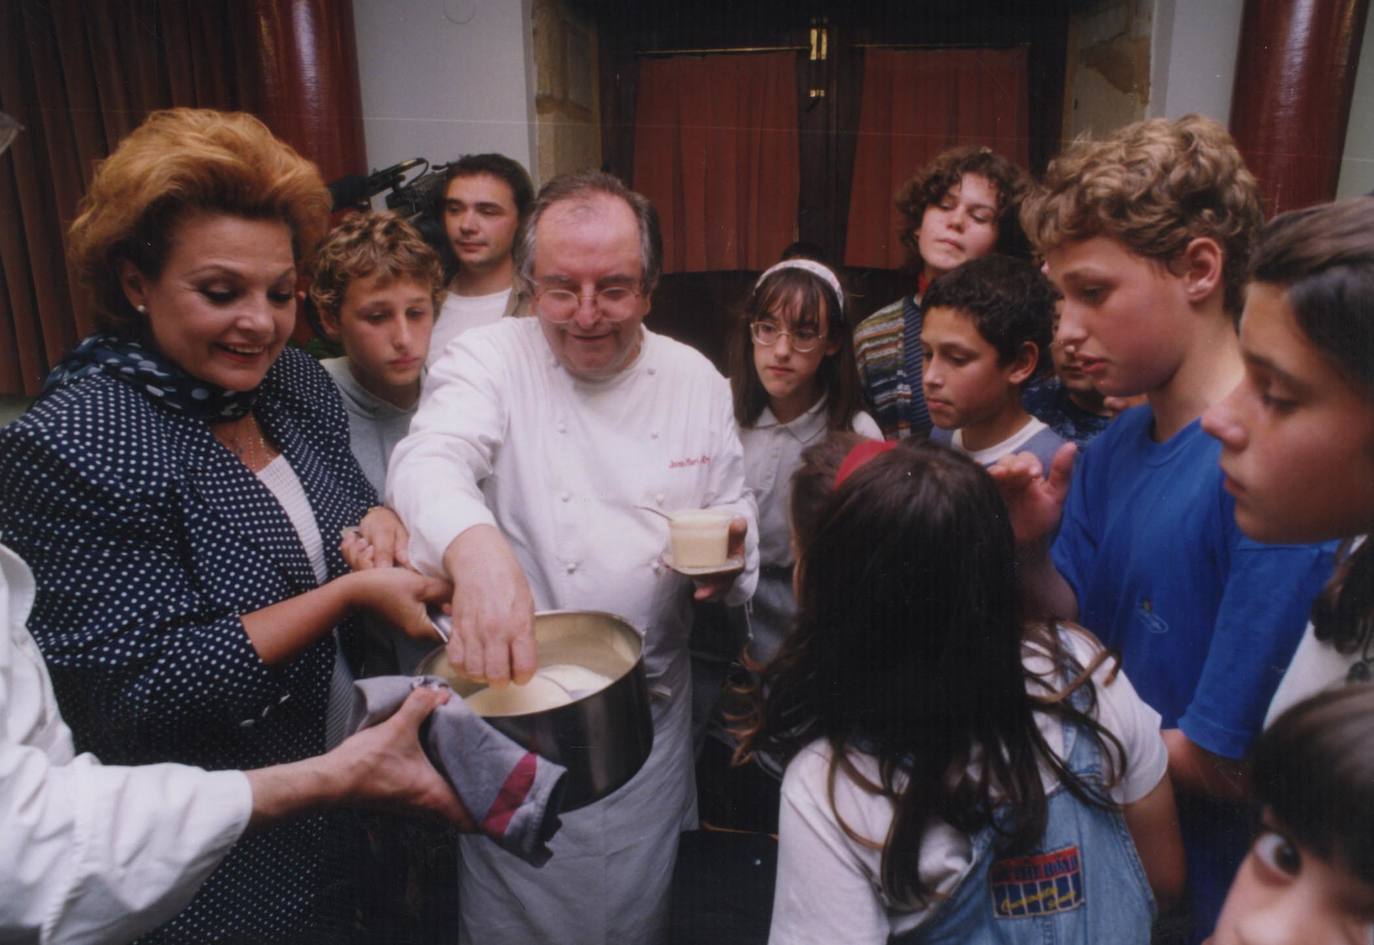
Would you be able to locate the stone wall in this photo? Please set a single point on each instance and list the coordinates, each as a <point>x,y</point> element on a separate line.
<point>1107,80</point>
<point>567,91</point>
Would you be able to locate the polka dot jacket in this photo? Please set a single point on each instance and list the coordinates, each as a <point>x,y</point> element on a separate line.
<point>148,540</point>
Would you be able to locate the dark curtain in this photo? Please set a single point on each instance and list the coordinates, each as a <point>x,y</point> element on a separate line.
<point>79,75</point>
<point>915,104</point>
<point>716,150</point>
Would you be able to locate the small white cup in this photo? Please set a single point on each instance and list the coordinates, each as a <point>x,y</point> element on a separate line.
<point>700,537</point>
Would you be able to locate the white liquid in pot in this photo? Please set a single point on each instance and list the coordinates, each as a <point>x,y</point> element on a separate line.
<point>551,687</point>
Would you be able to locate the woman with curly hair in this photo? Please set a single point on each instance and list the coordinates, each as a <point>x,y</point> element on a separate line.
<point>961,206</point>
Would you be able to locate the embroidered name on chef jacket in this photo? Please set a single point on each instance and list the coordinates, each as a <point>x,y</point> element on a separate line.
<point>1037,885</point>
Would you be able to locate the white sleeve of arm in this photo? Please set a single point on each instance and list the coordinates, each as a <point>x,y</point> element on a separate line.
<point>434,478</point>
<point>728,490</point>
<point>102,855</point>
<point>1121,710</point>
<point>824,892</point>
<point>92,854</point>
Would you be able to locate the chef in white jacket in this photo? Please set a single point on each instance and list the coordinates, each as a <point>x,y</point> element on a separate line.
<point>96,854</point>
<point>541,454</point>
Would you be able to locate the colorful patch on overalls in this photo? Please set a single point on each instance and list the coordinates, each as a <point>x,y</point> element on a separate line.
<point>1037,885</point>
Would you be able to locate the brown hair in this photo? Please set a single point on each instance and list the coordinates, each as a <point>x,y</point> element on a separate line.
<point>1152,186</point>
<point>1323,259</point>
<point>921,533</point>
<point>948,168</point>
<point>368,243</point>
<point>179,161</point>
<point>800,297</point>
<point>1314,771</point>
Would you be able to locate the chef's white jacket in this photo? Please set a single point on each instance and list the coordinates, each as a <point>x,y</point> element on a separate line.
<point>571,472</point>
<point>91,853</point>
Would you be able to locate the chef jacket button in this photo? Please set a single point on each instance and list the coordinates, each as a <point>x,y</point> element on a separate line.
<point>659,498</point>
<point>653,371</point>
<point>562,427</point>
<point>565,496</point>
<point>653,435</point>
<point>656,565</point>
<point>570,567</point>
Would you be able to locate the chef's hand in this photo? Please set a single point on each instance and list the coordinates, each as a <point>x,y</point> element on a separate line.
<point>493,609</point>
<point>399,596</point>
<point>716,585</point>
<point>1034,496</point>
<point>379,541</point>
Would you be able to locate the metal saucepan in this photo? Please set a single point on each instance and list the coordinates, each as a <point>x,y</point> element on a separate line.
<point>603,737</point>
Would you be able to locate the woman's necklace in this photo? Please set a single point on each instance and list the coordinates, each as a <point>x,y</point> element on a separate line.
<point>244,438</point>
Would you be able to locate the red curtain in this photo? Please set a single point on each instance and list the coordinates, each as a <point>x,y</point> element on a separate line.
<point>716,150</point>
<point>915,104</point>
<point>79,75</point>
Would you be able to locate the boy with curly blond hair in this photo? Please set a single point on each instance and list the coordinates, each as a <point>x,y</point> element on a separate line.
<point>1147,235</point>
<point>377,287</point>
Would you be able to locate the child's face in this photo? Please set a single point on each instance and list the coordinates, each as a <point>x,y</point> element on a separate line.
<point>1297,439</point>
<point>789,375</point>
<point>1125,318</point>
<point>1285,894</point>
<point>964,382</point>
<point>384,328</point>
<point>962,226</point>
<point>1066,364</point>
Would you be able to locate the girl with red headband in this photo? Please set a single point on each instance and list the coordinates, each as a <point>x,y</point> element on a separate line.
<point>953,774</point>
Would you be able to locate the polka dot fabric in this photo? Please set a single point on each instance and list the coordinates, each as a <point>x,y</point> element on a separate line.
<point>148,540</point>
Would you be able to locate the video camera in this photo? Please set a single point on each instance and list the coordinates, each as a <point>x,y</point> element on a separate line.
<point>414,199</point>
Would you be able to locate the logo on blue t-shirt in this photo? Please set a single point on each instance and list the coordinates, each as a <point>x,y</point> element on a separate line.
<point>1151,618</point>
<point>1037,885</point>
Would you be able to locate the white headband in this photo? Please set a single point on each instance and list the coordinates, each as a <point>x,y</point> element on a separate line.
<point>811,266</point>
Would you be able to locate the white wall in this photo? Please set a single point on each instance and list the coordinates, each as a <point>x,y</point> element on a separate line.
<point>1193,61</point>
<point>1357,164</point>
<point>441,78</point>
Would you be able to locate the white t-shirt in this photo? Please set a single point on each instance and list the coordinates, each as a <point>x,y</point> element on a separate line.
<point>461,312</point>
<point>1316,667</point>
<point>991,454</point>
<point>829,886</point>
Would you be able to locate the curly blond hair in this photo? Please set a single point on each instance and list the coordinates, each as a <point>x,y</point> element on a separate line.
<point>179,161</point>
<point>1153,186</point>
<point>369,243</point>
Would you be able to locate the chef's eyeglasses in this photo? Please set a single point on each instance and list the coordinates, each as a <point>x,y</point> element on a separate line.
<point>614,302</point>
<point>767,334</point>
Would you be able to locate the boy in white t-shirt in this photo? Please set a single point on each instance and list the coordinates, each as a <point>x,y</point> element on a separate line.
<point>484,200</point>
<point>987,325</point>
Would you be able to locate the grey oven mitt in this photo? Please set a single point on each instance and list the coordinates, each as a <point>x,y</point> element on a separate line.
<point>512,793</point>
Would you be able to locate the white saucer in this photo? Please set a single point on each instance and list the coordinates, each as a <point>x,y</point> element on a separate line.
<point>728,566</point>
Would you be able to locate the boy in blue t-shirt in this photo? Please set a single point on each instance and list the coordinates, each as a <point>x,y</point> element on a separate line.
<point>986,333</point>
<point>1147,234</point>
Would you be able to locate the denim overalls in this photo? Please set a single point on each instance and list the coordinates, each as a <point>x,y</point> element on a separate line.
<point>1083,883</point>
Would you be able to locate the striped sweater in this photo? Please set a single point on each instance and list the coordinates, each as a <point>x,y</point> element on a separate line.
<point>887,345</point>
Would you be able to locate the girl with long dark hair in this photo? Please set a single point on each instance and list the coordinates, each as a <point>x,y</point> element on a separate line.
<point>953,773</point>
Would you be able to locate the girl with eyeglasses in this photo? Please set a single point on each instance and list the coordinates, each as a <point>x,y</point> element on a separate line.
<point>794,379</point>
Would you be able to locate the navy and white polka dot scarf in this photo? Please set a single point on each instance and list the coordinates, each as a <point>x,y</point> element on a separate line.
<point>147,369</point>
